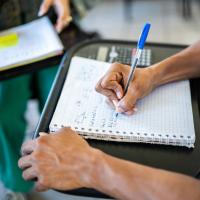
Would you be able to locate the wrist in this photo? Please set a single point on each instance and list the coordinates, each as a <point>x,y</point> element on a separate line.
<point>100,172</point>
<point>156,75</point>
<point>89,177</point>
<point>162,72</point>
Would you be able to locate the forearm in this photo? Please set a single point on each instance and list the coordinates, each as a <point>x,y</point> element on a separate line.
<point>183,65</point>
<point>126,180</point>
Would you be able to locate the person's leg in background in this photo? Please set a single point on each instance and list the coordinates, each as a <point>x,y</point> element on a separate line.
<point>14,94</point>
<point>44,80</point>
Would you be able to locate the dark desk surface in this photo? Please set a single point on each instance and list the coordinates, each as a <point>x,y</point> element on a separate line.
<point>178,159</point>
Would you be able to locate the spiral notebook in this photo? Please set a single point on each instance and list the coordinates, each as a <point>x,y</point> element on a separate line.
<point>164,117</point>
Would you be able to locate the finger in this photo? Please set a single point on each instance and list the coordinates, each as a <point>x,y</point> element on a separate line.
<point>128,102</point>
<point>60,25</point>
<point>45,7</point>
<point>62,22</point>
<point>39,187</point>
<point>64,17</point>
<point>112,82</point>
<point>106,92</point>
<point>25,162</point>
<point>28,147</point>
<point>29,174</point>
<point>42,134</point>
<point>131,112</point>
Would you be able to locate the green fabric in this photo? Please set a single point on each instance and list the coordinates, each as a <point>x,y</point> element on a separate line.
<point>13,98</point>
<point>45,79</point>
<point>14,95</point>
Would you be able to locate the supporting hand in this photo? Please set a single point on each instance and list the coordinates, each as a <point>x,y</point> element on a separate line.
<point>61,161</point>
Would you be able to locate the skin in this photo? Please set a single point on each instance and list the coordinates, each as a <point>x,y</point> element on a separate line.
<point>62,8</point>
<point>74,164</point>
<point>183,65</point>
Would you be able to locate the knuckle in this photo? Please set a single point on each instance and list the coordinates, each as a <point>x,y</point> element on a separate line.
<point>104,83</point>
<point>97,88</point>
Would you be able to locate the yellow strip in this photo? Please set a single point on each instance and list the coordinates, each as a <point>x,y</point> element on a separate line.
<point>8,40</point>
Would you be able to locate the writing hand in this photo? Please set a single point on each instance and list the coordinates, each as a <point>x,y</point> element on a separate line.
<point>113,82</point>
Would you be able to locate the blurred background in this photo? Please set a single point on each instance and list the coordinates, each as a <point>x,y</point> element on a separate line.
<point>173,21</point>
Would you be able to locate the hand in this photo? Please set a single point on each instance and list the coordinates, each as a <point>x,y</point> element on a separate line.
<point>63,10</point>
<point>112,83</point>
<point>60,161</point>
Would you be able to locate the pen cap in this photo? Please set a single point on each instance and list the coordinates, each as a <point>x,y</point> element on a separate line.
<point>143,36</point>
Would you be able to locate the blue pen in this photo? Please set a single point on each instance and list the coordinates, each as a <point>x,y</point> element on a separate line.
<point>135,59</point>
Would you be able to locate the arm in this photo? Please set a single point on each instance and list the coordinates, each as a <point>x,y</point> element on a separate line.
<point>74,164</point>
<point>183,65</point>
<point>134,180</point>
<point>126,180</point>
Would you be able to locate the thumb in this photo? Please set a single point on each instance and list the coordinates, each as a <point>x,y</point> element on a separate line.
<point>46,4</point>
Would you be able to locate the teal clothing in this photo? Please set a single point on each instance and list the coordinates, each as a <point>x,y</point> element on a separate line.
<point>14,94</point>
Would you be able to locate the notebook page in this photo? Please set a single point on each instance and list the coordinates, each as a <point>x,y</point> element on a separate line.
<point>37,40</point>
<point>165,113</point>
